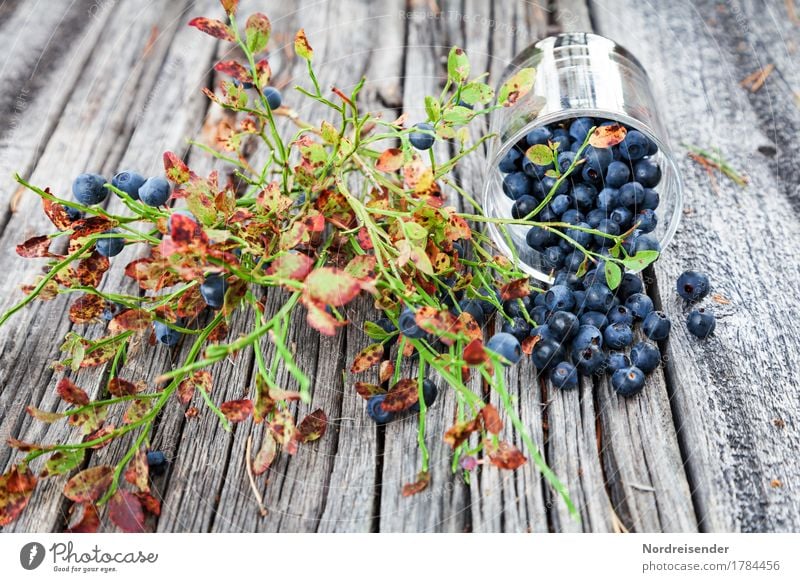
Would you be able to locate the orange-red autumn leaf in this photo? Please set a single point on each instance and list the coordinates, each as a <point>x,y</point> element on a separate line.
<point>401,396</point>
<point>16,488</point>
<point>200,380</point>
<point>390,160</point>
<point>89,521</point>
<point>459,432</point>
<point>606,136</point>
<point>528,343</point>
<point>235,70</point>
<point>191,303</point>
<point>138,472</point>
<point>91,269</point>
<point>125,510</point>
<point>366,390</point>
<point>267,453</point>
<point>367,358</point>
<point>212,27</point>
<point>294,266</point>
<point>35,247</point>
<point>312,427</point>
<point>320,319</point>
<point>149,503</point>
<point>175,168</point>
<point>386,370</point>
<point>90,484</point>
<point>130,320</point>
<point>515,289</point>
<point>119,387</point>
<point>504,455</point>
<point>331,286</point>
<point>237,410</point>
<point>474,353</point>
<point>70,393</point>
<point>422,482</point>
<point>57,213</point>
<point>491,419</point>
<point>468,327</point>
<point>86,308</point>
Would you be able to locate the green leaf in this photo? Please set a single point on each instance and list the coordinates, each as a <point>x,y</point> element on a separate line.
<point>415,232</point>
<point>329,133</point>
<point>64,461</point>
<point>257,31</point>
<point>433,108</point>
<point>640,260</point>
<point>540,154</point>
<point>332,286</point>
<point>457,65</point>
<point>476,92</point>
<point>516,87</point>
<point>375,331</point>
<point>613,274</point>
<point>458,115</point>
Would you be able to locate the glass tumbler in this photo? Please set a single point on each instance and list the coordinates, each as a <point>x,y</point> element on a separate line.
<point>577,75</point>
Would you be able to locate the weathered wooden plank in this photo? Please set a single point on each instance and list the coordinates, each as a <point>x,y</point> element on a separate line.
<point>729,394</point>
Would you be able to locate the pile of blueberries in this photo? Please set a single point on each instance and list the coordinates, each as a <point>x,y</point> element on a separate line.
<point>89,190</point>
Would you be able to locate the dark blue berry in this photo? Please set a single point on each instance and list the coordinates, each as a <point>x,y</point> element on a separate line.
<point>584,195</point>
<point>408,325</point>
<point>620,314</point>
<point>213,290</point>
<point>423,139</point>
<point>553,257</point>
<point>154,191</point>
<point>155,458</point>
<point>579,128</point>
<point>559,298</point>
<point>631,195</point>
<point>693,285</point>
<point>647,173</point>
<point>534,170</point>
<point>165,334</point>
<point>569,279</point>
<point>539,314</point>
<point>630,284</point>
<point>110,247</point>
<point>386,325</point>
<point>589,359</point>
<point>617,174</point>
<point>543,331</point>
<point>564,376</point>
<point>598,298</point>
<point>561,203</point>
<point>523,206</point>
<point>651,199</point>
<point>474,308</point>
<point>72,213</point>
<point>274,98</point>
<point>516,185</point>
<point>640,305</point>
<point>517,327</point>
<point>622,217</point>
<point>563,325</point>
<point>429,394</point>
<point>547,352</point>
<point>628,381</point>
<point>518,307</point>
<point>608,199</point>
<point>548,183</point>
<point>644,242</point>
<point>634,146</point>
<point>89,189</point>
<point>565,160</point>
<point>375,409</point>
<point>511,162</point>
<point>656,326</point>
<point>593,217</point>
<point>645,356</point>
<point>646,221</point>
<point>538,135</point>
<point>701,323</point>
<point>616,361</point>
<point>129,182</point>
<point>580,300</point>
<point>618,335</point>
<point>573,261</point>
<point>505,345</point>
<point>588,335</point>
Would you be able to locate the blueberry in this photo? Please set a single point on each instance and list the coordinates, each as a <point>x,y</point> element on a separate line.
<point>129,182</point>
<point>640,305</point>
<point>594,277</point>
<point>573,261</point>
<point>620,314</point>
<point>693,285</point>
<point>538,135</point>
<point>534,170</point>
<point>110,247</point>
<point>523,206</point>
<point>274,98</point>
<point>631,194</point>
<point>375,409</point>
<point>553,257</point>
<point>72,213</point>
<point>561,137</point>
<point>608,199</point>
<point>584,195</point>
<point>408,325</point>
<point>516,184</point>
<point>646,221</point>
<point>517,307</point>
<point>645,243</point>
<point>651,199</point>
<point>622,216</point>
<point>616,361</point>
<point>656,326</point>
<point>154,191</point>
<point>634,146</point>
<point>156,458</point>
<point>386,325</point>
<point>561,203</point>
<point>213,291</point>
<point>539,238</point>
<point>423,139</point>
<point>546,352</point>
<point>511,162</point>
<point>505,345</point>
<point>429,394</point>
<point>647,173</point>
<point>593,217</point>
<point>588,360</point>
<point>89,189</point>
<point>598,298</point>
<point>563,325</point>
<point>166,335</point>
<point>588,335</point>
<point>543,331</point>
<point>568,279</point>
<point>548,183</point>
<point>459,249</point>
<point>517,327</point>
<point>182,212</point>
<point>580,300</point>
<point>565,160</point>
<point>572,216</point>
<point>559,298</point>
<point>645,356</point>
<point>547,215</point>
<point>630,284</point>
<point>628,381</point>
<point>617,174</point>
<point>598,160</point>
<point>701,323</point>
<point>564,376</point>
<point>474,308</point>
<point>110,310</point>
<point>607,226</point>
<point>618,335</point>
<point>540,314</point>
<point>488,306</point>
<point>579,128</point>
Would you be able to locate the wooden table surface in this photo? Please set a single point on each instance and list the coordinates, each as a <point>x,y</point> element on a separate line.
<point>712,443</point>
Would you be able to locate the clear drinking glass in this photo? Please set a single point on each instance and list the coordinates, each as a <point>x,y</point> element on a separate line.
<point>578,75</point>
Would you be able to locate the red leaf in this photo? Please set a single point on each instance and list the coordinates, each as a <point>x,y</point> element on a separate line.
<point>56,212</point>
<point>440,323</point>
<point>386,370</point>
<point>528,343</point>
<point>364,240</point>
<point>16,488</point>
<point>468,327</point>
<point>89,521</point>
<point>125,510</point>
<point>320,319</point>
<point>312,427</point>
<point>457,227</point>
<point>515,289</point>
<point>422,482</point>
<point>283,429</point>
<point>401,396</point>
<point>234,69</point>
<point>230,6</point>
<point>71,394</point>
<point>606,136</point>
<point>213,27</point>
<point>361,267</point>
<point>91,225</point>
<point>237,410</point>
<point>86,309</point>
<point>191,303</point>
<point>458,433</point>
<point>150,504</point>
<point>474,353</point>
<point>504,455</point>
<point>35,247</point>
<point>491,419</point>
<point>331,286</point>
<point>119,387</point>
<point>91,269</point>
<point>138,471</point>
<point>89,484</point>
<point>200,380</point>
<point>131,319</point>
<point>294,266</point>
<point>102,432</point>
<point>366,390</point>
<point>390,160</point>
<point>176,169</point>
<point>265,456</point>
<point>367,358</point>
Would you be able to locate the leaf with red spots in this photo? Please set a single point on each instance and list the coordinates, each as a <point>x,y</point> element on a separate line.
<point>16,488</point>
<point>138,471</point>
<point>283,429</point>
<point>89,521</point>
<point>474,353</point>
<point>504,455</point>
<point>25,447</point>
<point>61,462</point>
<point>386,371</point>
<point>364,240</point>
<point>86,309</point>
<point>263,74</point>
<point>267,454</point>
<point>320,319</point>
<point>516,87</point>
<point>422,482</point>
<point>233,69</point>
<point>90,270</point>
<point>212,27</point>
<point>95,356</point>
<point>457,228</point>
<point>176,169</point>
<point>237,410</point>
<point>136,411</point>
<point>468,327</point>
<point>366,390</point>
<point>443,324</point>
<point>90,420</point>
<point>367,358</point>
<point>293,266</point>
<point>273,200</point>
<point>146,272</point>
<point>125,510</point>
<point>516,289</point>
<point>149,503</point>
<point>56,212</point>
<point>257,31</point>
<point>362,267</point>
<point>460,432</point>
<point>607,136</point>
<point>491,419</point>
<point>119,387</point>
<point>198,380</point>
<point>87,226</point>
<point>90,484</point>
<point>191,303</point>
<point>130,320</point>
<point>401,396</point>
<point>101,434</point>
<point>35,248</point>
<point>301,46</point>
<point>312,427</point>
<point>390,160</point>
<point>71,394</point>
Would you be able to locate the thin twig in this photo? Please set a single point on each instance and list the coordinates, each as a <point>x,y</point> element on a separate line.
<point>249,464</point>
